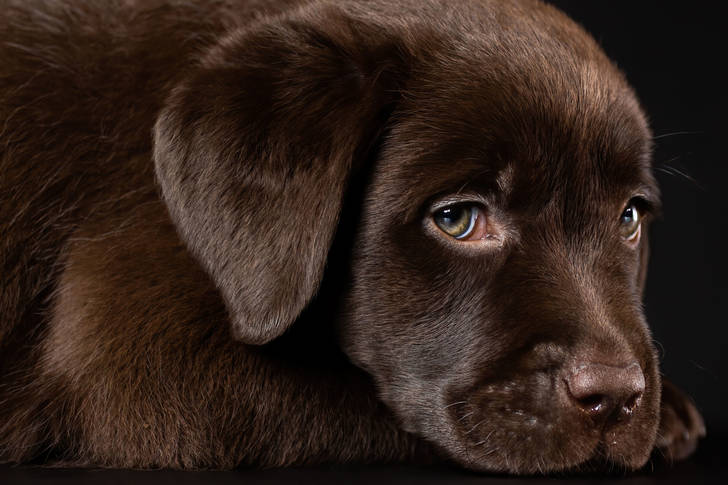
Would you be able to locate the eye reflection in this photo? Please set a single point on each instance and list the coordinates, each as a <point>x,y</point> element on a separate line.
<point>461,221</point>
<point>630,222</point>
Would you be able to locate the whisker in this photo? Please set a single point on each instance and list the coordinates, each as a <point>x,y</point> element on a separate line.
<point>484,441</point>
<point>465,416</point>
<point>677,133</point>
<point>670,160</point>
<point>660,348</point>
<point>670,170</point>
<point>476,425</point>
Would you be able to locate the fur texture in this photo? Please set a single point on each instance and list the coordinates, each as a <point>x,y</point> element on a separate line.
<point>217,239</point>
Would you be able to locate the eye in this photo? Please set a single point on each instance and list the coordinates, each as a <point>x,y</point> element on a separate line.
<point>630,223</point>
<point>464,222</point>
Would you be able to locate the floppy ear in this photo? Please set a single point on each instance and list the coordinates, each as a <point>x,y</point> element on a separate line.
<point>254,148</point>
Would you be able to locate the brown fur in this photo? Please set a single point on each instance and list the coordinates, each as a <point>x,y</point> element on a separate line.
<point>172,171</point>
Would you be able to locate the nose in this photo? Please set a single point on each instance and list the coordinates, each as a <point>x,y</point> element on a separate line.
<point>606,392</point>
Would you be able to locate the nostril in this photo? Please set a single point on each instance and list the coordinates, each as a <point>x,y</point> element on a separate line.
<point>594,404</point>
<point>606,392</point>
<point>631,404</point>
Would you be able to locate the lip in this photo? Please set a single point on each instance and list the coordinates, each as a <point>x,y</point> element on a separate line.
<point>581,448</point>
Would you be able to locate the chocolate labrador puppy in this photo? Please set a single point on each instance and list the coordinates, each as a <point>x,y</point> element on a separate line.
<point>270,233</point>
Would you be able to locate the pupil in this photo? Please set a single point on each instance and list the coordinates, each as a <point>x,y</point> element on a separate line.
<point>628,215</point>
<point>452,216</point>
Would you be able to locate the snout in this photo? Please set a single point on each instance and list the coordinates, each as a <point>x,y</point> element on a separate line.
<point>560,417</point>
<point>607,394</point>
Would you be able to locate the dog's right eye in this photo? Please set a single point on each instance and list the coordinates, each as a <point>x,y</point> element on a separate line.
<point>630,222</point>
<point>464,222</point>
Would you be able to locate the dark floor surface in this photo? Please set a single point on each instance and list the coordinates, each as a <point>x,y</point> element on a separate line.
<point>708,465</point>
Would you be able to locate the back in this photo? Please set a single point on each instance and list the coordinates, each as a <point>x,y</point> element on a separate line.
<point>80,87</point>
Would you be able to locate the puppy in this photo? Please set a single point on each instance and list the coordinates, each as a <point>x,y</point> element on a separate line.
<point>275,233</point>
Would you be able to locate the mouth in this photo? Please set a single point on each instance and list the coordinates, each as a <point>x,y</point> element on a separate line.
<point>532,427</point>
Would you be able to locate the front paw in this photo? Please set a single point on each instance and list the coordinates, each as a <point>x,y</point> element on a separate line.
<point>681,425</point>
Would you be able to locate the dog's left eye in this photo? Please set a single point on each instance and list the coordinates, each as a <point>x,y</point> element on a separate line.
<point>630,223</point>
<point>464,222</point>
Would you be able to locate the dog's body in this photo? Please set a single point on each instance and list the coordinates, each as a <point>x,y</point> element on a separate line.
<point>284,135</point>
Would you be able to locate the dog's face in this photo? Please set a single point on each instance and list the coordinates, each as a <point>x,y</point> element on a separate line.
<point>500,250</point>
<point>499,265</point>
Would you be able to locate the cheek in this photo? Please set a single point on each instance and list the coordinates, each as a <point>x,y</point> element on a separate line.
<point>416,313</point>
<point>412,327</point>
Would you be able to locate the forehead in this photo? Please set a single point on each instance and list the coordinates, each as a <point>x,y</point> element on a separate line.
<point>534,115</point>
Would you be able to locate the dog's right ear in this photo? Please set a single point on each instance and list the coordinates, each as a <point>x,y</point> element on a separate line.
<point>254,148</point>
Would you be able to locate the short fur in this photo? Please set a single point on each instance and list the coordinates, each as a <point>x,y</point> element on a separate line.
<point>172,171</point>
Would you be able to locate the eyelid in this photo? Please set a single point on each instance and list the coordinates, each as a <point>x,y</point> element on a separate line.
<point>646,205</point>
<point>457,199</point>
<point>635,236</point>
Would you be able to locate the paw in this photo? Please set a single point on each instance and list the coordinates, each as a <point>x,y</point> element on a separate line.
<point>681,425</point>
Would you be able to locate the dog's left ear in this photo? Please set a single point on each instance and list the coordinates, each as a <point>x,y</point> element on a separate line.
<point>255,147</point>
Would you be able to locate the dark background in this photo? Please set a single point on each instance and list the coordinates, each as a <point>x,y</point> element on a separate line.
<point>673,53</point>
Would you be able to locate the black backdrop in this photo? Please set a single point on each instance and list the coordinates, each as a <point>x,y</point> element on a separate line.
<point>674,54</point>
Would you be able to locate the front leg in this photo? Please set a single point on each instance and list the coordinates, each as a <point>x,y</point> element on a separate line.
<point>138,370</point>
<point>681,425</point>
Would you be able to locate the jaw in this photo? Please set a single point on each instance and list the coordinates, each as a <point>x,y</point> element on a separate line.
<point>518,426</point>
<point>529,434</point>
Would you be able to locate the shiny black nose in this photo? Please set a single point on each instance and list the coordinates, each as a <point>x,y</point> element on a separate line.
<point>606,392</point>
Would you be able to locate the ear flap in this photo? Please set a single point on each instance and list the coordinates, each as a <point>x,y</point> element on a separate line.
<point>253,151</point>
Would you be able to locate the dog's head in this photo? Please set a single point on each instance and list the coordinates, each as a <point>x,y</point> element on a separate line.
<point>500,247</point>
